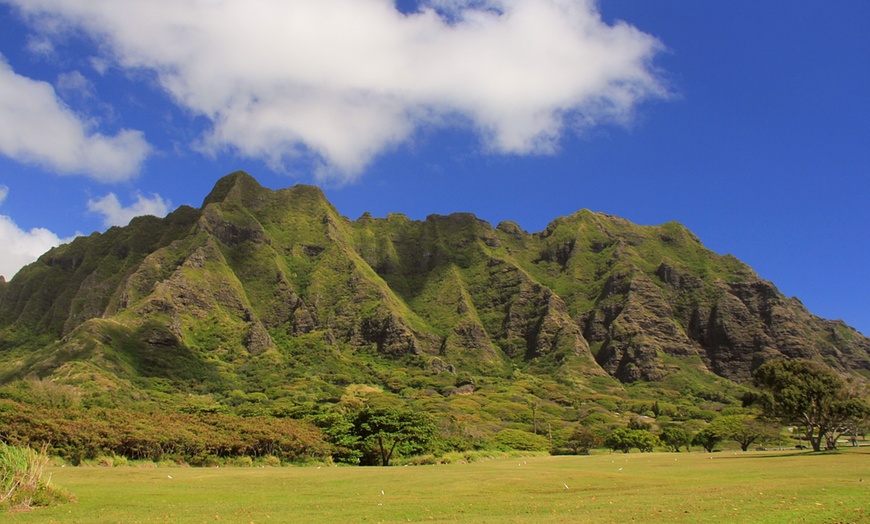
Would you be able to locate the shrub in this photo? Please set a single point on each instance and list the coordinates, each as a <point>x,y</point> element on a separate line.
<point>269,461</point>
<point>239,462</point>
<point>514,439</point>
<point>22,485</point>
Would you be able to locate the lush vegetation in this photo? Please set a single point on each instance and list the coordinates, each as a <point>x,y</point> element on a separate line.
<point>265,327</point>
<point>23,483</point>
<point>200,439</point>
<point>810,395</point>
<point>757,487</point>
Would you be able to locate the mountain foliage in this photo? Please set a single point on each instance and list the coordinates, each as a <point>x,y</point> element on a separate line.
<point>267,303</point>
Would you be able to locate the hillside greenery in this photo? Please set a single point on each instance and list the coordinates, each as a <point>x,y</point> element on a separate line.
<point>264,323</point>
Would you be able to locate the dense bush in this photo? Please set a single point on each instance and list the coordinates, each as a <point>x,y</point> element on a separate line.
<point>75,434</point>
<point>514,439</point>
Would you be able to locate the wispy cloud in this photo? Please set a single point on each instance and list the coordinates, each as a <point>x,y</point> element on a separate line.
<point>39,129</point>
<point>115,214</point>
<point>21,247</point>
<point>75,84</point>
<point>340,81</point>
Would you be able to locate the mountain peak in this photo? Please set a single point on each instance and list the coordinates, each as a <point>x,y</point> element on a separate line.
<point>239,184</point>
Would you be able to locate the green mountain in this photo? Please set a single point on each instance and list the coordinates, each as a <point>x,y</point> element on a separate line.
<point>272,302</point>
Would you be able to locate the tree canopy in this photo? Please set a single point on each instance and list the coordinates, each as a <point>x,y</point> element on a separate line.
<point>383,430</point>
<point>623,439</point>
<point>811,395</point>
<point>675,437</point>
<point>706,438</point>
<point>743,429</point>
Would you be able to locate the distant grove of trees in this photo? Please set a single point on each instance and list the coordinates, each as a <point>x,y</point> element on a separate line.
<point>823,406</point>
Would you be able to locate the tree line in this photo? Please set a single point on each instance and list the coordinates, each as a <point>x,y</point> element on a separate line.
<point>802,394</point>
<point>796,393</point>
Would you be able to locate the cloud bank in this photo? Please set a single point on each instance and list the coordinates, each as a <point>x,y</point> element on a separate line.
<point>21,247</point>
<point>341,81</point>
<point>114,214</point>
<point>37,128</point>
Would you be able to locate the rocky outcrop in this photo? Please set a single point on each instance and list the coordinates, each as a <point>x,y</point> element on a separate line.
<point>259,275</point>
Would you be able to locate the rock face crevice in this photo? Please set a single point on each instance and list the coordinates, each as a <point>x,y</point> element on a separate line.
<point>255,271</point>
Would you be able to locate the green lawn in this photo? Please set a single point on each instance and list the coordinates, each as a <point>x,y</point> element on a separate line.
<point>754,487</point>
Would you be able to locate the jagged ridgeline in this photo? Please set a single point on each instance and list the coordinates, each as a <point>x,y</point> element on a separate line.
<point>274,292</point>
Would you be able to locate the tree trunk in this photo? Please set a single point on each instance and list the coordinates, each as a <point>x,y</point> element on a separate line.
<point>384,459</point>
<point>815,442</point>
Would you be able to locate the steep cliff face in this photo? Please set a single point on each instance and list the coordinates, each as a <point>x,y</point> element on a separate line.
<point>229,291</point>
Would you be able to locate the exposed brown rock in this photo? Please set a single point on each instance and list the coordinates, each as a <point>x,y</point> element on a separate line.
<point>254,267</point>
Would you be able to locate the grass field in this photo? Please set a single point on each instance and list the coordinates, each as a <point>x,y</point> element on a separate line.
<point>756,487</point>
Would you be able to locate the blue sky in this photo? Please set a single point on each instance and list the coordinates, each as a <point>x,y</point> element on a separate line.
<point>748,122</point>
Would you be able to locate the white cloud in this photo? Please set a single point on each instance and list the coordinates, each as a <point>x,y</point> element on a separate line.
<point>39,129</point>
<point>343,80</point>
<point>114,214</point>
<point>40,46</point>
<point>74,83</point>
<point>21,247</point>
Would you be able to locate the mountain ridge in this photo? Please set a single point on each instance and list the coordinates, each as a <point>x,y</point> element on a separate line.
<point>257,288</point>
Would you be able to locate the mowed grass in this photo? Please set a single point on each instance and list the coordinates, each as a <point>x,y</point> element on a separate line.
<point>756,487</point>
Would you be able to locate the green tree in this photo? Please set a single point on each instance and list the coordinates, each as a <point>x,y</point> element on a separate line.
<point>582,439</point>
<point>645,441</point>
<point>339,430</point>
<point>707,438</point>
<point>743,429</point>
<point>675,437</point>
<point>619,440</point>
<point>383,430</point>
<point>623,439</point>
<point>811,395</point>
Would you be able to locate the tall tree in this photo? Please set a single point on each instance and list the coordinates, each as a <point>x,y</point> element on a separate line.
<point>743,429</point>
<point>706,438</point>
<point>811,395</point>
<point>384,430</point>
<point>675,437</point>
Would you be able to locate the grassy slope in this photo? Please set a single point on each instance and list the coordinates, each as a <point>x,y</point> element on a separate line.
<point>757,487</point>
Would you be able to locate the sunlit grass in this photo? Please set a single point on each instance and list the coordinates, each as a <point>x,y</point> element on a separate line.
<point>659,487</point>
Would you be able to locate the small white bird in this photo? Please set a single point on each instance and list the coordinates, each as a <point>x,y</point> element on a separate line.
<point>566,486</point>
<point>382,492</point>
<point>169,476</point>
